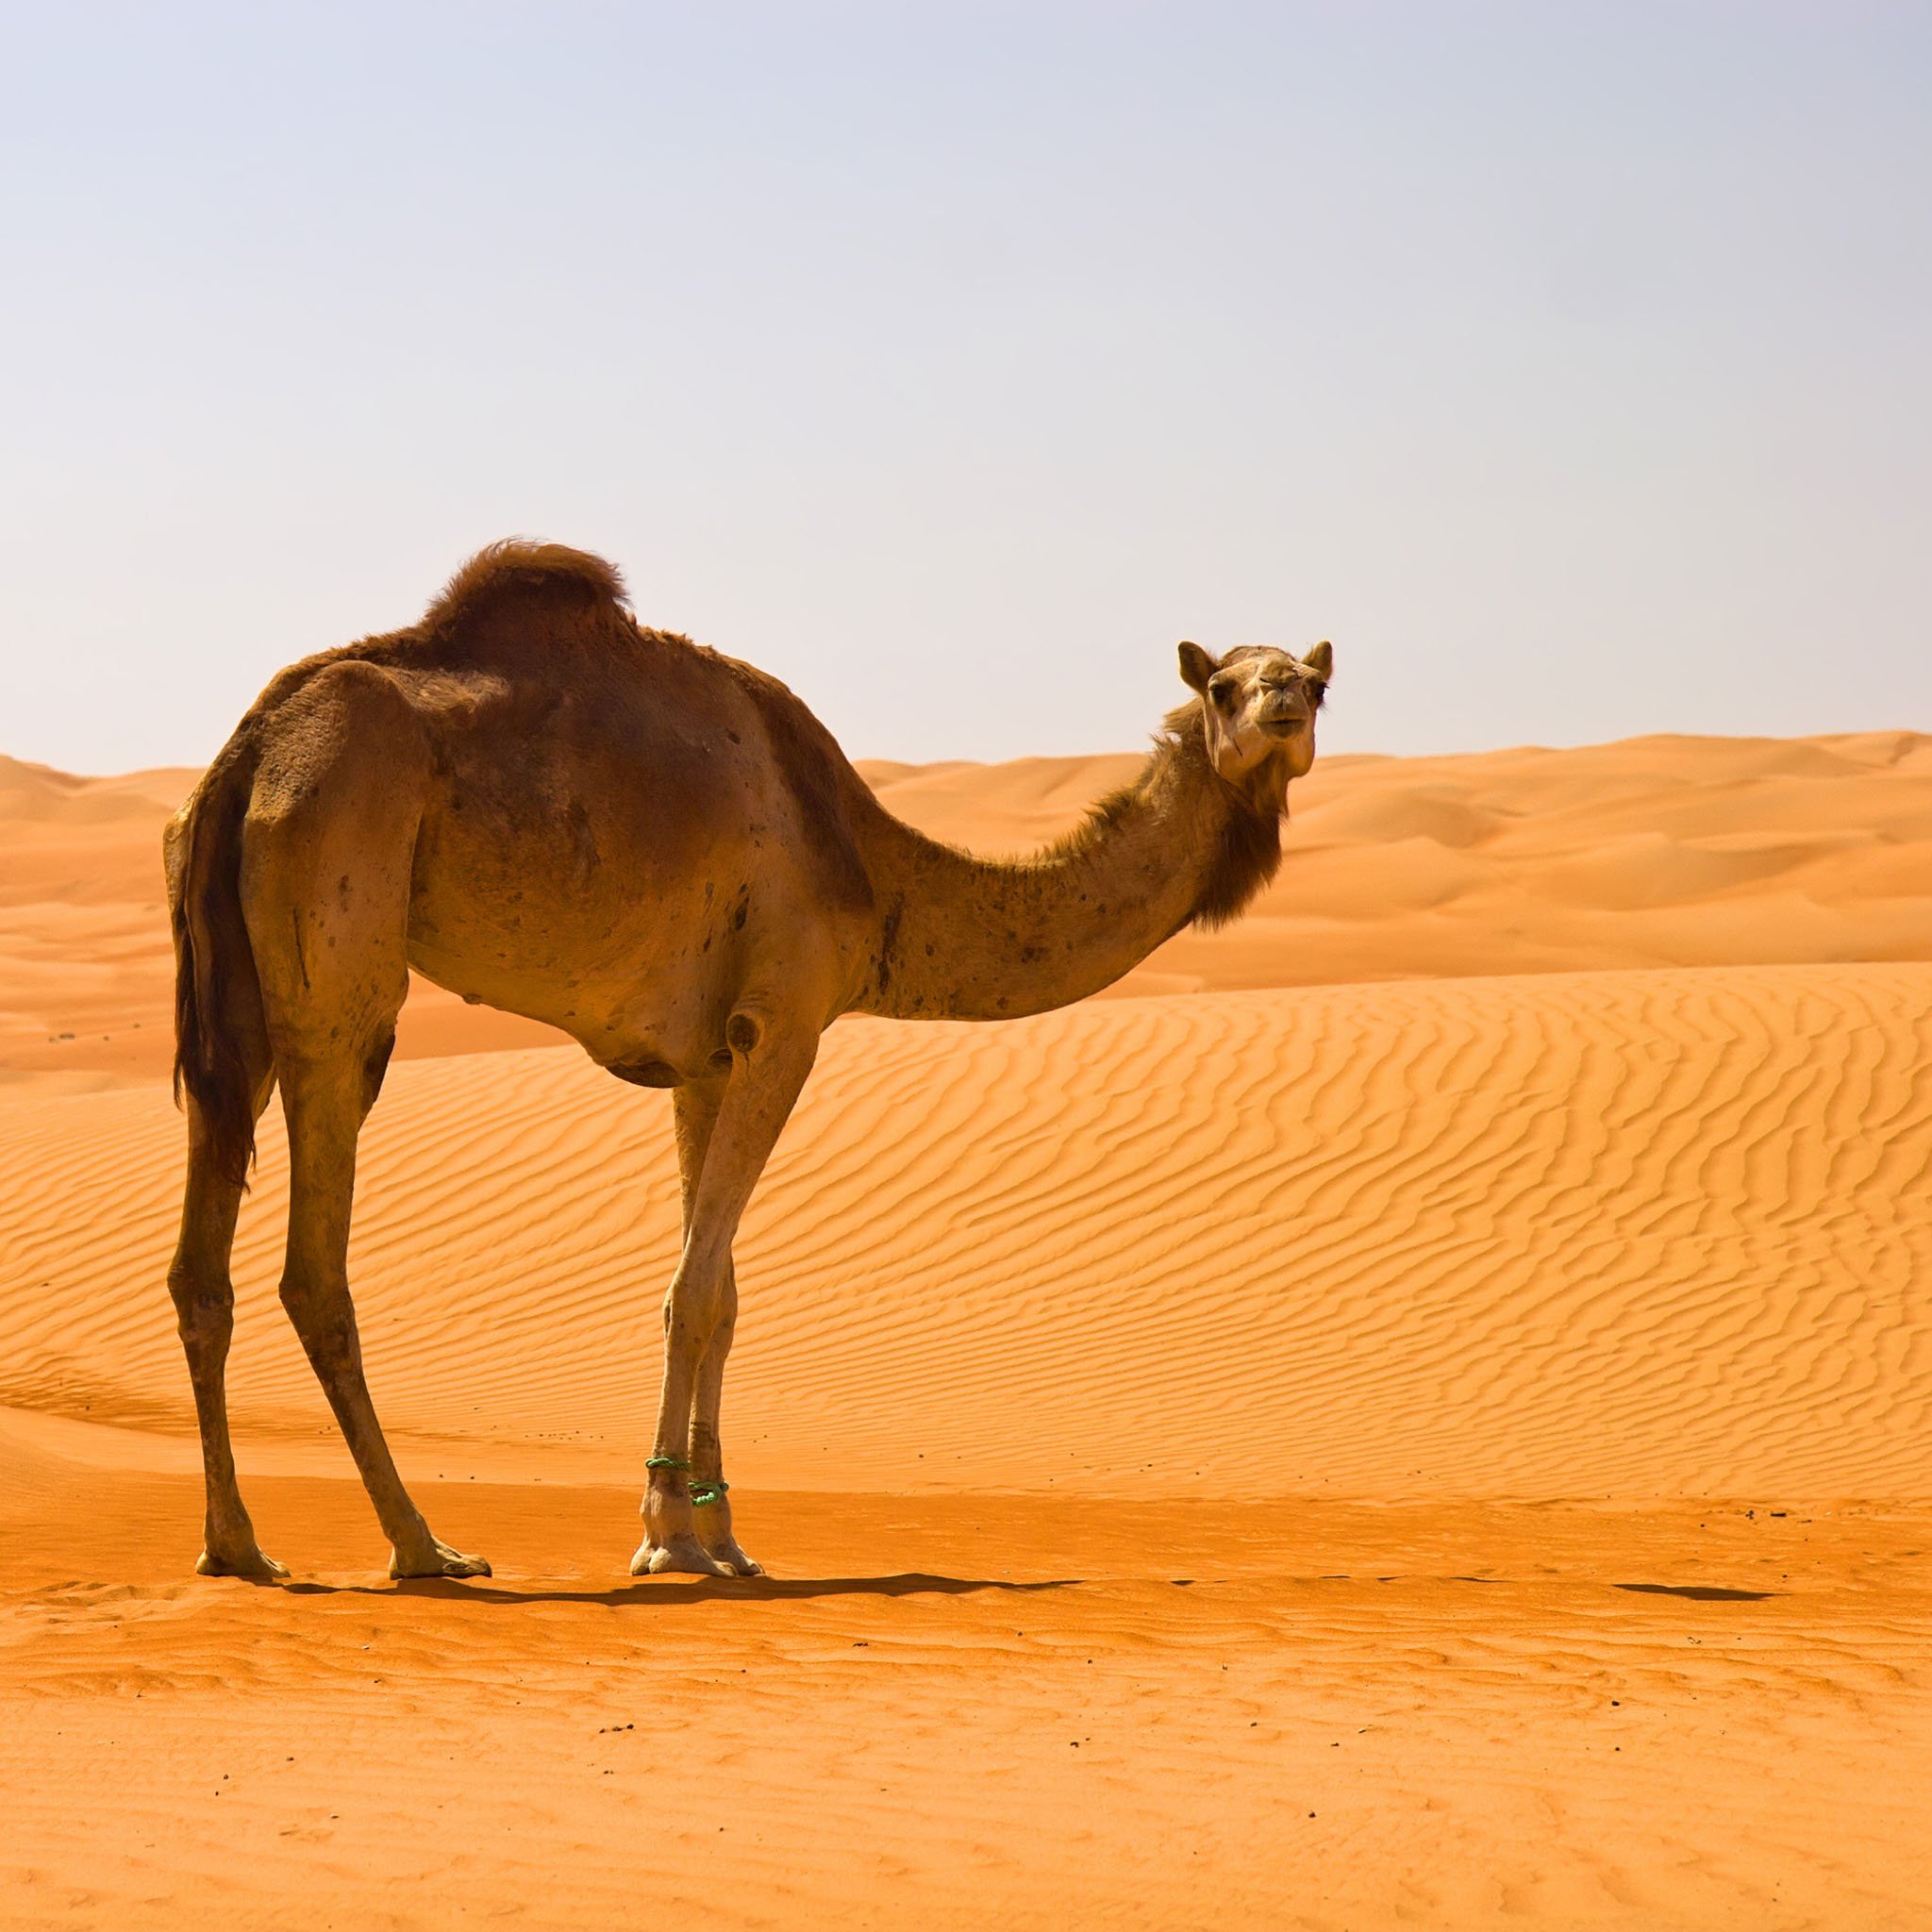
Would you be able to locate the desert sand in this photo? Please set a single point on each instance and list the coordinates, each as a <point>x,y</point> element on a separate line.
<point>1411,1411</point>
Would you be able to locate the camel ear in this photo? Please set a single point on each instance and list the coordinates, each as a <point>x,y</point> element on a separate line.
<point>1321,660</point>
<point>1197,667</point>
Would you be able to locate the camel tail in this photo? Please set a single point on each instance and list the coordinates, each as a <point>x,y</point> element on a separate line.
<point>221,1041</point>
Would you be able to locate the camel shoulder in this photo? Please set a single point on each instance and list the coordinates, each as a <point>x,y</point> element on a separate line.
<point>827,793</point>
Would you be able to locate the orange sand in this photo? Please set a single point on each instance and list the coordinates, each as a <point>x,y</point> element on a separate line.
<point>1486,1412</point>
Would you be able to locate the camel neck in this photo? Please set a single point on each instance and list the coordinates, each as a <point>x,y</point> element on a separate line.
<point>962,938</point>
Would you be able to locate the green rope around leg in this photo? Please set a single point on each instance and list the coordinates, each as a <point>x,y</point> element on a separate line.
<point>702,1494</point>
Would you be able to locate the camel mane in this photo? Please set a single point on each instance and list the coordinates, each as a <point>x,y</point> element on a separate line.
<point>522,564</point>
<point>1247,851</point>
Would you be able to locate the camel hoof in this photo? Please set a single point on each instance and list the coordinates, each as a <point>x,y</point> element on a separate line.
<point>251,1562</point>
<point>734,1559</point>
<point>682,1554</point>
<point>438,1560</point>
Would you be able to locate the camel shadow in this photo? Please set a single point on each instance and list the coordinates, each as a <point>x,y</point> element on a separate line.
<point>687,1589</point>
<point>1700,1593</point>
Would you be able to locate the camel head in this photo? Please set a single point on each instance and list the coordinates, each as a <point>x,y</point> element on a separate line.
<point>1258,708</point>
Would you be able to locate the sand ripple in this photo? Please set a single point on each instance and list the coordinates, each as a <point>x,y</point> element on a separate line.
<point>1600,1235</point>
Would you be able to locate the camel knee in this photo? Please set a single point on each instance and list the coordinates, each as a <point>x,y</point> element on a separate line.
<point>695,1312</point>
<point>689,1332</point>
<point>324,1318</point>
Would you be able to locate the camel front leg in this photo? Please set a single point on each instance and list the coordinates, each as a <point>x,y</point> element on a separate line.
<point>710,1505</point>
<point>769,1069</point>
<point>694,1113</point>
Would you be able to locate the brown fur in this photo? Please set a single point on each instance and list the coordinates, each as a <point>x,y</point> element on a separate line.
<point>812,762</point>
<point>1245,846</point>
<point>518,564</point>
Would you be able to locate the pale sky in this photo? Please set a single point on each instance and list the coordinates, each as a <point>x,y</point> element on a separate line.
<point>1568,365</point>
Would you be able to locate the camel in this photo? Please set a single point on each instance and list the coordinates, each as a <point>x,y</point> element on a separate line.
<point>542,805</point>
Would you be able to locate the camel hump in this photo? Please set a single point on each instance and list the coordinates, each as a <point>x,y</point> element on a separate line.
<point>517,563</point>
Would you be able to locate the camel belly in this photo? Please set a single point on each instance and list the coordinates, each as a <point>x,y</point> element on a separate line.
<point>639,962</point>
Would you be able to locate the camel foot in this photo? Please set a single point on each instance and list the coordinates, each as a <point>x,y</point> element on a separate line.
<point>437,1560</point>
<point>244,1562</point>
<point>734,1559</point>
<point>683,1554</point>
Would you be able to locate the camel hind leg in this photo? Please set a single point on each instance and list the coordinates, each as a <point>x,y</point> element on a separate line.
<point>329,849</point>
<point>205,1309</point>
<point>325,1103</point>
<point>224,1074</point>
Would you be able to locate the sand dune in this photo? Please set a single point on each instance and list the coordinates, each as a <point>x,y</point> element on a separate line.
<point>1646,853</point>
<point>1307,1441</point>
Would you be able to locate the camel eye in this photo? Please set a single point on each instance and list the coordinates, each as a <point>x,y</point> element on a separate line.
<point>1317,689</point>
<point>1222,690</point>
